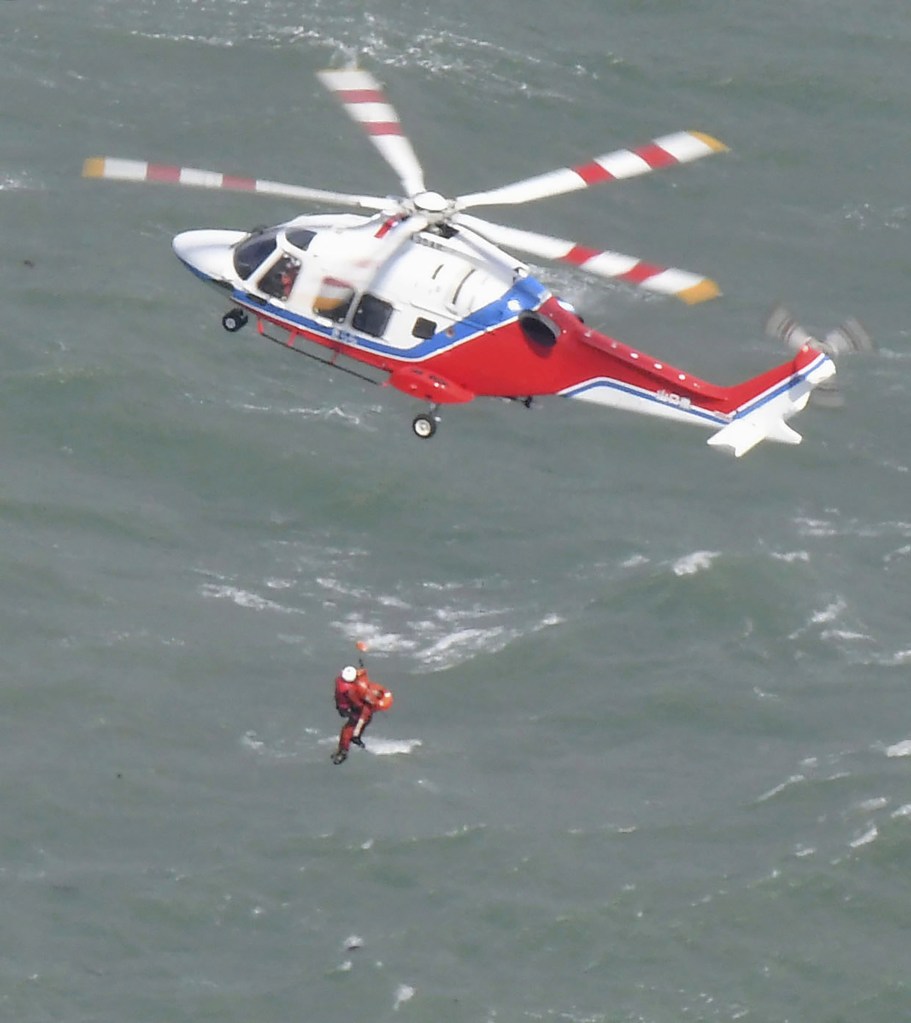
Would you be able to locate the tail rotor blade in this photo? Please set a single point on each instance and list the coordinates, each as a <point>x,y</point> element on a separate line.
<point>781,325</point>
<point>366,104</point>
<point>666,151</point>
<point>688,287</point>
<point>116,169</point>
<point>848,339</point>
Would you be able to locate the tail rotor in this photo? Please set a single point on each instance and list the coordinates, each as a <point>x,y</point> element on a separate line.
<point>849,339</point>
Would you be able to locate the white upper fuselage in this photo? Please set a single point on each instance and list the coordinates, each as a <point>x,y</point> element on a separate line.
<point>350,275</point>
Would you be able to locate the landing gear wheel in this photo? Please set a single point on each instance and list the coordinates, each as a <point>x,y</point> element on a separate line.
<point>424,426</point>
<point>234,320</point>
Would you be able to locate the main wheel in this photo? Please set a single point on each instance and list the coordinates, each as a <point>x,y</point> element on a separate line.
<point>234,320</point>
<point>424,426</point>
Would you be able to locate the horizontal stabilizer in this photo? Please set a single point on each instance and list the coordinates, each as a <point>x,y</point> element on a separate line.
<point>764,415</point>
<point>742,435</point>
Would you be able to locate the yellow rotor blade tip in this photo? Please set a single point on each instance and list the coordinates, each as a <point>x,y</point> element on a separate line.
<point>700,292</point>
<point>93,167</point>
<point>711,141</point>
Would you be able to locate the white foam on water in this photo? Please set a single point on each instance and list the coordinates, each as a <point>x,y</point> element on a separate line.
<point>698,561</point>
<point>342,589</point>
<point>245,599</point>
<point>866,838</point>
<point>634,561</point>
<point>876,803</point>
<point>828,613</point>
<point>763,695</point>
<point>844,634</point>
<point>795,779</point>
<point>355,629</point>
<point>902,552</point>
<point>11,184</point>
<point>789,557</point>
<point>392,747</point>
<point>894,660</point>
<point>250,740</point>
<point>822,616</point>
<point>899,749</point>
<point>457,646</point>
<point>815,527</point>
<point>403,993</point>
<point>453,648</point>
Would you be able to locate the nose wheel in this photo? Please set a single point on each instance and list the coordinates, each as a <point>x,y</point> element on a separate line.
<point>424,425</point>
<point>232,321</point>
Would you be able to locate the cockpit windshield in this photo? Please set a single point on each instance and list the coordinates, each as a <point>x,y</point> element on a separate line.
<point>253,250</point>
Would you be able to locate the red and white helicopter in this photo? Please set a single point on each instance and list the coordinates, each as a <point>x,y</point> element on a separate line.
<point>419,295</point>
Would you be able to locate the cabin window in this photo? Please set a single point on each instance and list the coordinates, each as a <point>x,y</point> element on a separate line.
<point>252,251</point>
<point>279,279</point>
<point>539,329</point>
<point>300,237</point>
<point>334,298</point>
<point>424,328</point>
<point>371,316</point>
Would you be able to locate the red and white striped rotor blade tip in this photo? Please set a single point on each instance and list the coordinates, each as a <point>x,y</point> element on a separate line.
<point>666,151</point>
<point>688,287</point>
<point>367,105</point>
<point>116,169</point>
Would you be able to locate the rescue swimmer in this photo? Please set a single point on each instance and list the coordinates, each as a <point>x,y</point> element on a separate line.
<point>357,698</point>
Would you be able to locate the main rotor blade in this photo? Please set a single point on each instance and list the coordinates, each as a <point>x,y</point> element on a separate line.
<point>366,103</point>
<point>680,147</point>
<point>688,287</point>
<point>115,169</point>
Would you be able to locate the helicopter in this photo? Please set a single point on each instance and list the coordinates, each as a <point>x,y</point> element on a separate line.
<point>417,293</point>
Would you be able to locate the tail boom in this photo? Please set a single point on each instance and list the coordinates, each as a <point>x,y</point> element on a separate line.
<point>741,415</point>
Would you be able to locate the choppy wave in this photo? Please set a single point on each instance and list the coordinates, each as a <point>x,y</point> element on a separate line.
<point>244,598</point>
<point>698,561</point>
<point>392,747</point>
<point>434,645</point>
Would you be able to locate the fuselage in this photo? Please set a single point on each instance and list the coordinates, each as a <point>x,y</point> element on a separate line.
<point>463,309</point>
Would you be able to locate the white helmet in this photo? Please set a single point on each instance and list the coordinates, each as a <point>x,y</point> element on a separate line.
<point>349,673</point>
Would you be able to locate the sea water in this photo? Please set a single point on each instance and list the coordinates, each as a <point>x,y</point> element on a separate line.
<point>649,756</point>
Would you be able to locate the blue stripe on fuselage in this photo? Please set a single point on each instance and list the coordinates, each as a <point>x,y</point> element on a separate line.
<point>526,293</point>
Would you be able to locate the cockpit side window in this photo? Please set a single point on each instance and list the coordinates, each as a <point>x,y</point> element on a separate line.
<point>252,251</point>
<point>279,279</point>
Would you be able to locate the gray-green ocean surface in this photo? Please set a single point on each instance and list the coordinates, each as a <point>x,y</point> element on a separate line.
<point>649,757</point>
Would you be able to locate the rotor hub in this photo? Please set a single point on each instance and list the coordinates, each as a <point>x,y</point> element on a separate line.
<point>431,203</point>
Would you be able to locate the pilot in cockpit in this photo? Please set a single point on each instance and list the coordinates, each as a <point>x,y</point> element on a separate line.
<point>279,280</point>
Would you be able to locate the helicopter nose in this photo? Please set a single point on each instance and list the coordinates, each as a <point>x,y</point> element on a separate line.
<point>208,253</point>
